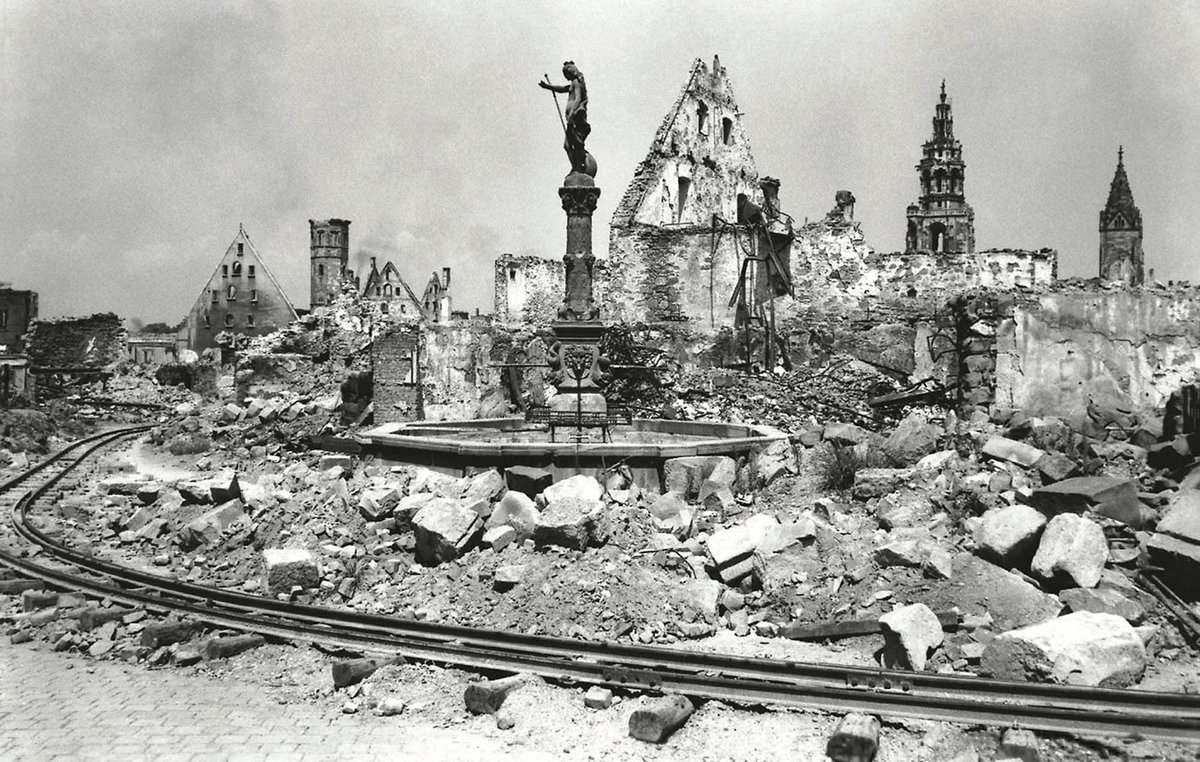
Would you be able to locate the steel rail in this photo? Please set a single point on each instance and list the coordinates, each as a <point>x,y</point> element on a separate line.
<point>949,698</point>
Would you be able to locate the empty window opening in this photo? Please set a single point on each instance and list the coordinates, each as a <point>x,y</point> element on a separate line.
<point>702,117</point>
<point>320,271</point>
<point>224,271</point>
<point>215,295</point>
<point>937,237</point>
<point>207,324</point>
<point>254,295</point>
<point>241,248</point>
<point>387,289</point>
<point>512,273</point>
<point>384,308</point>
<point>684,184</point>
<point>232,295</point>
<point>237,268</point>
<point>250,271</point>
<point>229,321</point>
<point>726,130</point>
<point>3,318</point>
<point>249,321</point>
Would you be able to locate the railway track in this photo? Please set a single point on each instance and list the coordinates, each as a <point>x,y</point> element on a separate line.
<point>889,693</point>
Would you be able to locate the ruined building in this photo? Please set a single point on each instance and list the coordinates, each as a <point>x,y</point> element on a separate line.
<point>1121,256</point>
<point>17,310</point>
<point>328,258</point>
<point>941,220</point>
<point>397,299</point>
<point>241,298</point>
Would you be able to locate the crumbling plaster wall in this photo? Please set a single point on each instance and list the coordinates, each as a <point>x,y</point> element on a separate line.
<point>457,377</point>
<point>529,290</point>
<point>1119,346</point>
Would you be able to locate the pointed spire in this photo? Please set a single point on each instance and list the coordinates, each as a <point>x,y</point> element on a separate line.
<point>943,90</point>
<point>1120,156</point>
<point>1120,195</point>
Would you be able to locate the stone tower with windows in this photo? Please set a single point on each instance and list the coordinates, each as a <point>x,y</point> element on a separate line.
<point>941,220</point>
<point>1121,256</point>
<point>330,254</point>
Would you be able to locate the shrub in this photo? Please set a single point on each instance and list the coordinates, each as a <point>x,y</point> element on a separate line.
<point>836,465</point>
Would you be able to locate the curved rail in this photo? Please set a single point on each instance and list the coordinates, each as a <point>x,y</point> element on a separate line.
<point>1165,716</point>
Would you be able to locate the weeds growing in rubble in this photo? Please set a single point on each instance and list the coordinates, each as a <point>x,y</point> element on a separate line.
<point>836,465</point>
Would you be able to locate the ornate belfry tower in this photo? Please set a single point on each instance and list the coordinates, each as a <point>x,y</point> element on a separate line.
<point>1121,257</point>
<point>941,220</point>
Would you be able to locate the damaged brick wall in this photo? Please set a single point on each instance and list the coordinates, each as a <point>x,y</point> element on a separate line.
<point>395,355</point>
<point>1114,346</point>
<point>95,341</point>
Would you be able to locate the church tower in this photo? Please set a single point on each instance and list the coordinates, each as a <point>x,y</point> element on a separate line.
<point>330,254</point>
<point>941,220</point>
<point>1121,256</point>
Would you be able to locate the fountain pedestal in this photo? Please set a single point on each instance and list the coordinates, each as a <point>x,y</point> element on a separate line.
<point>575,356</point>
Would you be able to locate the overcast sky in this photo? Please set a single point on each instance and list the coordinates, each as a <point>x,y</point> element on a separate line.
<point>135,137</point>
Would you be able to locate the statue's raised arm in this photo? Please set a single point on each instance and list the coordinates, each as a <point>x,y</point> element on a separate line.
<point>575,123</point>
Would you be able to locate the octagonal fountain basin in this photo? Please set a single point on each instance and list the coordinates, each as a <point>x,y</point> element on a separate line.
<point>456,447</point>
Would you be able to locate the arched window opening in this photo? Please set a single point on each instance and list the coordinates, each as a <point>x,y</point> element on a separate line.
<point>387,289</point>
<point>937,237</point>
<point>702,117</point>
<point>229,321</point>
<point>232,295</point>
<point>237,268</point>
<point>726,130</point>
<point>684,184</point>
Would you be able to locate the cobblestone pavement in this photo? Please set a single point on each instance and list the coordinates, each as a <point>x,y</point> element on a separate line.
<point>53,707</point>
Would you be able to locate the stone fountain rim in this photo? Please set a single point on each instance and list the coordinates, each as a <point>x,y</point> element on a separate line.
<point>754,437</point>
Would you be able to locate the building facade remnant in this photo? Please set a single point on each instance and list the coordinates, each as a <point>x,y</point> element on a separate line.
<point>941,221</point>
<point>240,298</point>
<point>1121,257</point>
<point>328,259</point>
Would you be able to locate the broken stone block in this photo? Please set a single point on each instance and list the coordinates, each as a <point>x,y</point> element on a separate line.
<point>345,462</point>
<point>1179,561</point>
<point>1020,744</point>
<point>856,739</point>
<point>377,503</point>
<point>1083,648</point>
<point>122,484</point>
<point>287,568</point>
<point>499,537</point>
<point>224,648</point>
<point>528,480</point>
<point>1072,546</point>
<point>1181,519</point>
<point>444,530</point>
<point>408,507</point>
<point>486,696</point>
<point>1103,600</point>
<point>910,633</point>
<point>659,718</point>
<point>569,522</point>
<point>732,553</point>
<point>699,597</point>
<point>847,434</point>
<point>505,577</point>
<point>903,509</point>
<point>938,461</point>
<point>1054,467</point>
<point>487,486</point>
<point>686,475</point>
<point>671,514</point>
<point>1082,493</point>
<point>980,586</point>
<point>910,547</point>
<point>517,510</point>
<point>777,459</point>
<point>1169,455</point>
<point>1008,535</point>
<point>579,486</point>
<point>939,565</point>
<point>347,672</point>
<point>769,535</point>
<point>877,482</point>
<point>912,440</point>
<point>224,487</point>
<point>208,528</point>
<point>717,498</point>
<point>195,492</point>
<point>598,697</point>
<point>231,412</point>
<point>1003,448</point>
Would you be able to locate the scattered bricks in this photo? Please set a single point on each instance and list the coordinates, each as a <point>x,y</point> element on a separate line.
<point>580,486</point>
<point>655,722</point>
<point>223,648</point>
<point>160,634</point>
<point>909,634</point>
<point>1019,743</point>
<point>351,671</point>
<point>1054,467</point>
<point>18,586</point>
<point>345,462</point>
<point>1002,448</point>
<point>289,568</point>
<point>569,522</point>
<point>856,739</point>
<point>94,616</point>
<point>499,538</point>
<point>527,480</point>
<point>598,698</point>
<point>378,503</point>
<point>1077,649</point>
<point>486,696</point>
<point>1008,535</point>
<point>32,600</point>
<point>517,510</point>
<point>1072,546</point>
<point>444,529</point>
